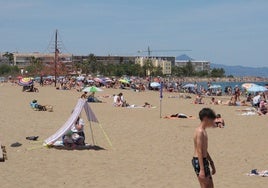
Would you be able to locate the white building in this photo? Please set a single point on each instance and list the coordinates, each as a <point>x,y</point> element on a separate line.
<point>199,65</point>
<point>157,62</point>
<point>24,59</point>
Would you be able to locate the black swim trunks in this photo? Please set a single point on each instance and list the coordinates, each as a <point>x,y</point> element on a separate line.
<point>196,166</point>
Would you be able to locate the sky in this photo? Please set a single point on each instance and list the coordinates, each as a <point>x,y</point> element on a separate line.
<point>229,32</point>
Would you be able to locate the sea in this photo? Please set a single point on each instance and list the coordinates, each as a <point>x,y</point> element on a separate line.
<point>230,84</point>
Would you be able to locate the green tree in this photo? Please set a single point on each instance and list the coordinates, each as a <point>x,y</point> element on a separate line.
<point>148,67</point>
<point>189,70</point>
<point>36,66</point>
<point>10,57</point>
<point>6,69</point>
<point>217,73</point>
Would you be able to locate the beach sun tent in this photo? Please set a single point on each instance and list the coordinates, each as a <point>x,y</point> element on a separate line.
<point>81,104</point>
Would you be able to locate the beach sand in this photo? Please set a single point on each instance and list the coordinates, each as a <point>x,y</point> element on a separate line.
<point>147,151</point>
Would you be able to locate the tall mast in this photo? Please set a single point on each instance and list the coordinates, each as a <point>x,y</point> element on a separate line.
<point>56,56</point>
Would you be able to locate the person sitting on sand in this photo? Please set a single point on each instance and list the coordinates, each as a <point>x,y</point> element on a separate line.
<point>180,116</point>
<point>119,100</point>
<point>92,98</point>
<point>263,110</point>
<point>36,106</point>
<point>76,135</point>
<point>214,101</point>
<point>84,96</point>
<point>198,99</point>
<point>219,122</point>
<point>256,100</point>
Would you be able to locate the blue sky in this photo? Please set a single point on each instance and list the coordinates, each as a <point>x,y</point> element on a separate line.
<point>230,32</point>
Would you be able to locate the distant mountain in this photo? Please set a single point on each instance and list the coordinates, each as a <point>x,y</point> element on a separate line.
<point>243,71</point>
<point>184,57</point>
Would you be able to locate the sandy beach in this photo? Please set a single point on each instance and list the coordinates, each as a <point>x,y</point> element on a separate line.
<point>147,151</point>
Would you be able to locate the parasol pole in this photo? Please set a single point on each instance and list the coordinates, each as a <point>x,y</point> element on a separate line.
<point>161,97</point>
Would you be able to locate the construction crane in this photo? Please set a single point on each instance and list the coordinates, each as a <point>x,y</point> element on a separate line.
<point>149,51</point>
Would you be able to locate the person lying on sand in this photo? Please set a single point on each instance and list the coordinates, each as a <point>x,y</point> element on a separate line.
<point>179,116</point>
<point>147,105</point>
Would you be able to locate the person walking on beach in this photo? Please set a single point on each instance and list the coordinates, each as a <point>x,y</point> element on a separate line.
<point>202,160</point>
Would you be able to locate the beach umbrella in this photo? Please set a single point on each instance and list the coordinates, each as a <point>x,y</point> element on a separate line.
<point>90,81</point>
<point>189,86</point>
<point>215,87</point>
<point>19,77</point>
<point>257,88</point>
<point>25,82</point>
<point>155,84</point>
<point>92,89</point>
<point>248,85</point>
<point>124,81</point>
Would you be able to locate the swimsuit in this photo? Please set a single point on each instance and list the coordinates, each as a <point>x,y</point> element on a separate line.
<point>196,166</point>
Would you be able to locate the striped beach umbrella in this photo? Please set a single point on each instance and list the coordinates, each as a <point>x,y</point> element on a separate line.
<point>25,81</point>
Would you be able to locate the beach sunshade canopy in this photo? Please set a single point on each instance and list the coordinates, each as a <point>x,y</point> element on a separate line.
<point>92,89</point>
<point>215,87</point>
<point>81,104</point>
<point>155,84</point>
<point>124,81</point>
<point>248,85</point>
<point>257,88</point>
<point>189,86</point>
<point>25,81</point>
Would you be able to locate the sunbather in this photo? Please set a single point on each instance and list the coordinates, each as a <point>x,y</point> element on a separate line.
<point>37,107</point>
<point>180,116</point>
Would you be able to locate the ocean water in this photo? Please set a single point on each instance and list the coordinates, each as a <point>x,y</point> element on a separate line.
<point>232,84</point>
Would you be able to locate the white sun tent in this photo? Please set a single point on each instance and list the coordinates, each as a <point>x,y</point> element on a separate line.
<point>81,104</point>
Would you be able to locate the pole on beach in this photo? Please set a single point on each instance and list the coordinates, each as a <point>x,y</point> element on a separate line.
<point>161,97</point>
<point>92,135</point>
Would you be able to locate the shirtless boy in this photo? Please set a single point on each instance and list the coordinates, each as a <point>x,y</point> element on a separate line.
<point>202,160</point>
